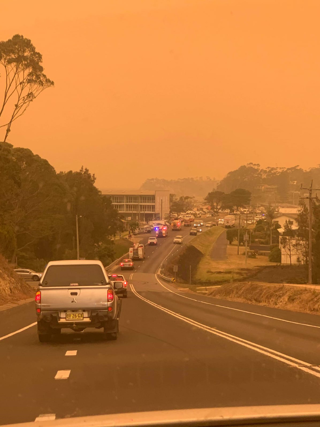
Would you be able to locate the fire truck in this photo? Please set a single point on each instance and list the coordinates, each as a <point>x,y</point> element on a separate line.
<point>176,225</point>
<point>161,230</point>
<point>136,251</point>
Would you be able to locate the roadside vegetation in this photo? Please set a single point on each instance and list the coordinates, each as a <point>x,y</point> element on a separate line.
<point>191,257</point>
<point>39,208</point>
<point>295,298</point>
<point>12,287</point>
<point>231,269</point>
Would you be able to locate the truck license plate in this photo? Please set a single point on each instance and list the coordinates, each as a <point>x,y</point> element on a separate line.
<point>71,315</point>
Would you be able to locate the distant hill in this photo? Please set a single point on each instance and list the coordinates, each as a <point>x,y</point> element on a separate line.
<point>271,184</point>
<point>194,187</point>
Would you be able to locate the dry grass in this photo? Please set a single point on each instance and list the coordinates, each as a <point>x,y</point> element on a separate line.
<point>205,241</point>
<point>230,269</point>
<point>293,298</point>
<point>12,287</point>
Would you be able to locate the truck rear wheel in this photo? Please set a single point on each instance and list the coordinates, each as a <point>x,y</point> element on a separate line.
<point>44,331</point>
<point>111,335</point>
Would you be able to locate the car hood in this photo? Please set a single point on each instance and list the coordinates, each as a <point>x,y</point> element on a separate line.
<point>203,416</point>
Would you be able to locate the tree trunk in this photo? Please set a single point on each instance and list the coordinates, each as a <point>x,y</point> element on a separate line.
<point>7,133</point>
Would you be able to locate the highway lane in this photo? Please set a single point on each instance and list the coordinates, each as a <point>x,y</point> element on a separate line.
<point>159,361</point>
<point>294,334</point>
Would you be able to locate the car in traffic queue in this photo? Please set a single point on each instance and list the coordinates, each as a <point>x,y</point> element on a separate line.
<point>76,294</point>
<point>199,230</point>
<point>208,224</point>
<point>178,240</point>
<point>127,264</point>
<point>120,280</point>
<point>28,274</point>
<point>193,232</point>
<point>152,241</point>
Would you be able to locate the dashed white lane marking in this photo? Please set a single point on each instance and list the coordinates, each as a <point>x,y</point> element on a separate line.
<point>288,360</point>
<point>18,331</point>
<point>71,353</point>
<point>131,276</point>
<point>238,309</point>
<point>46,417</point>
<point>62,375</point>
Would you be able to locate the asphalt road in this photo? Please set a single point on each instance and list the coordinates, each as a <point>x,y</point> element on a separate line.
<point>175,350</point>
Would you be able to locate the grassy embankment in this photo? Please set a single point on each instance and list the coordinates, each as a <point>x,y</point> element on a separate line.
<point>192,254</point>
<point>231,269</point>
<point>121,247</point>
<point>296,298</point>
<point>12,287</point>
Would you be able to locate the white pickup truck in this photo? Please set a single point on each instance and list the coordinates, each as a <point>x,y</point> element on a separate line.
<point>76,295</point>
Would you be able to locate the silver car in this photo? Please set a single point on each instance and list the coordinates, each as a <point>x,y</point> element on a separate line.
<point>28,274</point>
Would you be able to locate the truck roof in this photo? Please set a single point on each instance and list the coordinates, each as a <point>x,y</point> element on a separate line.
<point>75,262</point>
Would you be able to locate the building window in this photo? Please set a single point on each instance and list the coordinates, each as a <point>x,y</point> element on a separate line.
<point>132,199</point>
<point>147,208</point>
<point>119,208</point>
<point>131,208</point>
<point>117,199</point>
<point>147,199</point>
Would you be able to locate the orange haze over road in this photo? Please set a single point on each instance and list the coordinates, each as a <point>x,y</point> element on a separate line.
<point>171,88</point>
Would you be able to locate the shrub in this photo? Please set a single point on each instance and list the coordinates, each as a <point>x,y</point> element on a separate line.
<point>275,255</point>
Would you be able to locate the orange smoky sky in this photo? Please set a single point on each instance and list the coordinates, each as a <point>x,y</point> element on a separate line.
<point>171,88</point>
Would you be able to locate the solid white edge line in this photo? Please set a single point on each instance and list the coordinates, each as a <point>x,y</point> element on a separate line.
<point>291,361</point>
<point>18,331</point>
<point>238,309</point>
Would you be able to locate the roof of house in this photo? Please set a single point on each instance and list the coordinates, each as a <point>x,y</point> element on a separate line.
<point>282,215</point>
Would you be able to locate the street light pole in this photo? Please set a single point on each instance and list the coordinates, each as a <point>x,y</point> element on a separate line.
<point>238,252</point>
<point>310,198</point>
<point>77,236</point>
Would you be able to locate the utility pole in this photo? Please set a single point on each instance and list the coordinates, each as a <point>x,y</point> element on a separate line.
<point>77,237</point>
<point>239,236</point>
<point>310,198</point>
<point>161,209</point>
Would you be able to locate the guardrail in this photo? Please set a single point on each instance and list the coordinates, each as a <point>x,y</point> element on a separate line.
<point>116,261</point>
<point>167,279</point>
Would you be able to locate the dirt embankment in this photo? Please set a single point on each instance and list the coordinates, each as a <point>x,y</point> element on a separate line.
<point>12,287</point>
<point>272,295</point>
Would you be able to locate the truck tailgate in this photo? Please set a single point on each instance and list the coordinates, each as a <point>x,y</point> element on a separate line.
<point>73,297</point>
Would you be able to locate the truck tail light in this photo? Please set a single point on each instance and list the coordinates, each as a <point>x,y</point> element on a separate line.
<point>110,296</point>
<point>124,284</point>
<point>121,265</point>
<point>38,297</point>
